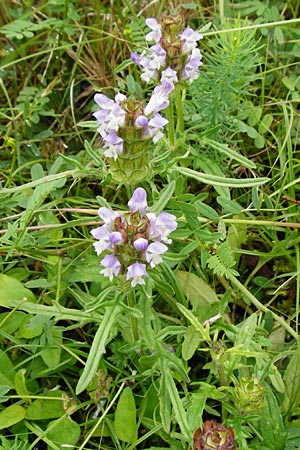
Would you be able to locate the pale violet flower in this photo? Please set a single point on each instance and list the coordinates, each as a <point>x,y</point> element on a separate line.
<point>113,145</point>
<point>153,252</point>
<point>169,75</point>
<point>189,37</point>
<point>155,34</point>
<point>114,121</point>
<point>135,273</point>
<point>191,69</point>
<point>138,201</point>
<point>102,236</point>
<point>162,226</point>
<point>108,216</point>
<point>151,60</point>
<point>159,99</point>
<point>175,55</point>
<point>115,237</point>
<point>111,115</point>
<point>112,266</point>
<point>155,125</point>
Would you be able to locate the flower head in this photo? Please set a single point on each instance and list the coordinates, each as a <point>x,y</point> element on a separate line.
<point>123,123</point>
<point>172,57</point>
<point>134,240</point>
<point>214,436</point>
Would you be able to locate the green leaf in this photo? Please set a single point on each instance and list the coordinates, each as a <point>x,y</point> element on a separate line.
<point>98,346</point>
<point>20,384</point>
<point>271,424</point>
<point>11,321</point>
<point>7,370</point>
<point>125,417</point>
<point>164,196</point>
<point>3,390</point>
<point>164,399</point>
<point>177,405</point>
<point>11,415</point>
<point>63,432</point>
<point>223,148</point>
<point>13,290</point>
<point>292,385</point>
<point>47,408</point>
<point>220,181</point>
<point>191,342</point>
<point>197,291</point>
<point>195,410</point>
<point>207,211</point>
<point>32,326</point>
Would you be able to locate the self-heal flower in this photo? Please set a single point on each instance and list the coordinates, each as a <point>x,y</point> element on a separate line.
<point>162,226</point>
<point>153,252</point>
<point>112,266</point>
<point>138,201</point>
<point>141,244</point>
<point>189,39</point>
<point>160,98</point>
<point>135,273</point>
<point>127,125</point>
<point>111,115</point>
<point>174,57</point>
<point>113,145</point>
<point>155,34</point>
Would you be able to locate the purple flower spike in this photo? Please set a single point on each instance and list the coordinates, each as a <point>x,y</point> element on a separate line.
<point>136,272</point>
<point>138,201</point>
<point>112,266</point>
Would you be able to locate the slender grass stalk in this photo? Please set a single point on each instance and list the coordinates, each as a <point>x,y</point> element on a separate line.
<point>179,110</point>
<point>134,324</point>
<point>170,117</point>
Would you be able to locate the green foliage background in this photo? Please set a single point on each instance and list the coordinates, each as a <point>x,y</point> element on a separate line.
<point>218,321</point>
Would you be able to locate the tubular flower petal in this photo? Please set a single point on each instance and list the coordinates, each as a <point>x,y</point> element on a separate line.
<point>135,273</point>
<point>138,201</point>
<point>112,266</point>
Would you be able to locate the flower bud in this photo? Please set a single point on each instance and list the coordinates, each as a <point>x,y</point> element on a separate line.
<point>248,395</point>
